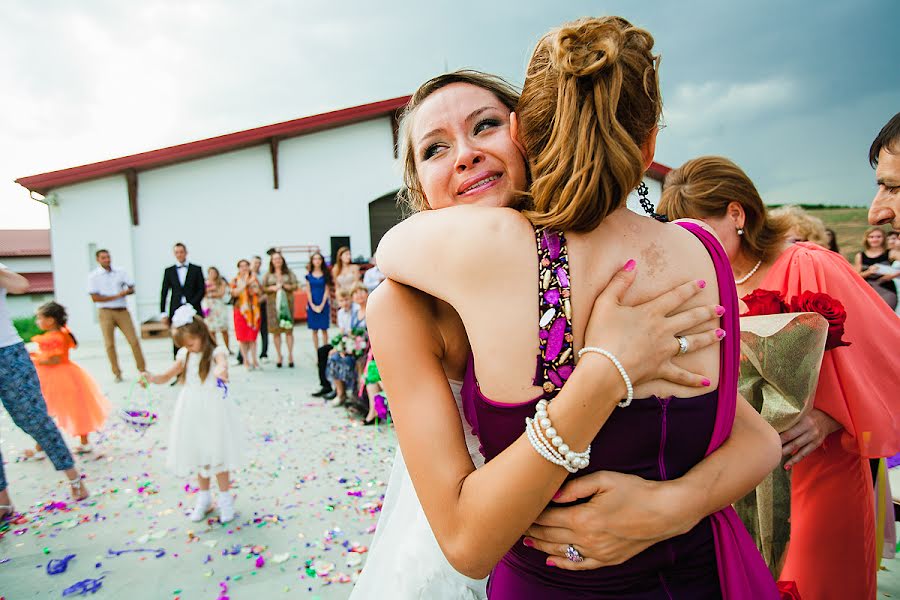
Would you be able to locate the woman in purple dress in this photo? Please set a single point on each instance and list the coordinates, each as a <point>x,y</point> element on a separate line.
<point>594,82</point>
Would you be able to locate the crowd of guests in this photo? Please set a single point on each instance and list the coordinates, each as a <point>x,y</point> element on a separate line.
<point>262,304</point>
<point>878,262</point>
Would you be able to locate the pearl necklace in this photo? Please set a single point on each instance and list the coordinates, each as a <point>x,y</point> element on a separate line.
<point>748,275</point>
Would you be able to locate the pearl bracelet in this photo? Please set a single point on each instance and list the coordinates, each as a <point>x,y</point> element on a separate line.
<point>541,448</point>
<point>615,361</point>
<point>547,442</point>
<point>579,460</point>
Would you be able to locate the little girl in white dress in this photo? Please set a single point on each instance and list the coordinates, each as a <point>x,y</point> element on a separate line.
<point>206,435</point>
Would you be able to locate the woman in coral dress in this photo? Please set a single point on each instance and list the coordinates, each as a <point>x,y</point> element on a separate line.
<point>72,396</point>
<point>832,554</point>
<point>245,288</point>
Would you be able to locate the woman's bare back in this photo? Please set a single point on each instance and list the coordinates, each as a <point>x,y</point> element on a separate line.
<point>487,270</point>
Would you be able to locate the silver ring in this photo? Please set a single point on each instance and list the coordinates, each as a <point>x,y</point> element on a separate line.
<point>573,554</point>
<point>682,344</point>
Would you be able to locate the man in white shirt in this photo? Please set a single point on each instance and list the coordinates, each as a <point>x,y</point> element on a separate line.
<point>373,276</point>
<point>108,288</point>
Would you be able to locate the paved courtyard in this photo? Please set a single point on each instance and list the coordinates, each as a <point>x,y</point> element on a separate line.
<point>307,503</point>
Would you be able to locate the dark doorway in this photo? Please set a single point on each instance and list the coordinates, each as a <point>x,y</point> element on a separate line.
<point>337,242</point>
<point>383,214</point>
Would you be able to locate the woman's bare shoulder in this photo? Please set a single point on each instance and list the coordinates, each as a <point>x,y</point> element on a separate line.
<point>441,252</point>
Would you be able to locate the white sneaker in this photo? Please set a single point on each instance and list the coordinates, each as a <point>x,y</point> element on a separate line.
<point>202,507</point>
<point>226,506</point>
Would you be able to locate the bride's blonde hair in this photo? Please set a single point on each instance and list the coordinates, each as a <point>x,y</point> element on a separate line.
<point>590,100</point>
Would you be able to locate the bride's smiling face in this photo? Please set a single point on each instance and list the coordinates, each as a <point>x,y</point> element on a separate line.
<point>463,150</point>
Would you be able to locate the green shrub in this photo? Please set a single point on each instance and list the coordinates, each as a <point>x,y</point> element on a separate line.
<point>26,327</point>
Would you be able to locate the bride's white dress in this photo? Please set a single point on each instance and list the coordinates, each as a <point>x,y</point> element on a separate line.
<point>405,561</point>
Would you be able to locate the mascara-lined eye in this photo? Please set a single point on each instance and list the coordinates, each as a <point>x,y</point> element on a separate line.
<point>486,124</point>
<point>430,151</point>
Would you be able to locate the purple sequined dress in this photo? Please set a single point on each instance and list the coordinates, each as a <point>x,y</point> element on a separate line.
<point>654,438</point>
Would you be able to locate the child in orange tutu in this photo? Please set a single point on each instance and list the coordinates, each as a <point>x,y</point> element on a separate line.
<point>72,395</point>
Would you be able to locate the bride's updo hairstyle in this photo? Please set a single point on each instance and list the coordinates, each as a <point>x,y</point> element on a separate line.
<point>590,100</point>
<point>705,186</point>
<point>410,197</point>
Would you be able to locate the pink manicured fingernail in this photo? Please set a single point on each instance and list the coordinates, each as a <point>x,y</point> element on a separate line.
<point>557,494</point>
<point>720,310</point>
<point>706,382</point>
<point>701,283</point>
<point>528,543</point>
<point>787,467</point>
<point>550,563</point>
<point>629,266</point>
<point>720,333</point>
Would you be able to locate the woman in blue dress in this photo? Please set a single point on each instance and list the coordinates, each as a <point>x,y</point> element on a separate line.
<point>318,288</point>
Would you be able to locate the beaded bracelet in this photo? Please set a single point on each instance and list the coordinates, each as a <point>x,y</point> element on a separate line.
<point>615,361</point>
<point>547,442</point>
<point>579,460</point>
<point>540,447</point>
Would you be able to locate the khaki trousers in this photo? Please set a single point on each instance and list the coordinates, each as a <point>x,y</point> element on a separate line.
<point>110,318</point>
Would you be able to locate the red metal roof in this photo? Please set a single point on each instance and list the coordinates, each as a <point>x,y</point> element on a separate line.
<point>45,182</point>
<point>658,171</point>
<point>25,242</point>
<point>39,283</point>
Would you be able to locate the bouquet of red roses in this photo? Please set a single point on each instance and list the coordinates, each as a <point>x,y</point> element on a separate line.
<point>770,302</point>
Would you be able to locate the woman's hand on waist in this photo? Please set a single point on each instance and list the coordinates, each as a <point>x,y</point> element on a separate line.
<point>624,516</point>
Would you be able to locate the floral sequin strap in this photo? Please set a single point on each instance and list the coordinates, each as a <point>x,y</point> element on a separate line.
<point>557,360</point>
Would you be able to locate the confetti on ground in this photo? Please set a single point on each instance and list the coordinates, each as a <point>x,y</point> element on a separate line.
<point>307,501</point>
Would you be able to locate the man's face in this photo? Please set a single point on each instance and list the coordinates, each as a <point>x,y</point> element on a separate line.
<point>104,260</point>
<point>885,207</point>
<point>180,253</point>
<point>255,264</point>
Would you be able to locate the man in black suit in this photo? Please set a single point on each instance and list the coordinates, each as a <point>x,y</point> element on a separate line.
<point>185,282</point>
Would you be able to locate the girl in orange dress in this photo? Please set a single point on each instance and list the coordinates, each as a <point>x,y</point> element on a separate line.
<point>73,397</point>
<point>855,417</point>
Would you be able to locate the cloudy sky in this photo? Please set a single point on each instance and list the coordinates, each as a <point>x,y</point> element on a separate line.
<point>794,92</point>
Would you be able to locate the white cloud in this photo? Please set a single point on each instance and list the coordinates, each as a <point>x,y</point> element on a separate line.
<point>705,107</point>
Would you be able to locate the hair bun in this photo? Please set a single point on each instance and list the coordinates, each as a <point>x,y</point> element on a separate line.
<point>586,47</point>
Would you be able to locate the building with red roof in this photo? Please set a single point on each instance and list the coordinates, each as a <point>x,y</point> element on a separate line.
<point>27,251</point>
<point>325,180</point>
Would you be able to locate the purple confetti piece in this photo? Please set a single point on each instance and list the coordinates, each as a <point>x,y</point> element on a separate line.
<point>83,587</point>
<point>552,296</point>
<point>59,565</point>
<point>544,334</point>
<point>565,372</point>
<point>158,551</point>
<point>556,339</point>
<point>563,277</point>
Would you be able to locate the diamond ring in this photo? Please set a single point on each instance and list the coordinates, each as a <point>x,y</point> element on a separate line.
<point>682,344</point>
<point>573,554</point>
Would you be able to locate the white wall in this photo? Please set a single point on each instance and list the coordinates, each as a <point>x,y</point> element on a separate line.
<point>88,216</point>
<point>24,305</point>
<point>654,191</point>
<point>28,264</point>
<point>222,208</point>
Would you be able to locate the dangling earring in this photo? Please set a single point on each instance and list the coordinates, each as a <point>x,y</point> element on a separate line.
<point>740,231</point>
<point>643,192</point>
